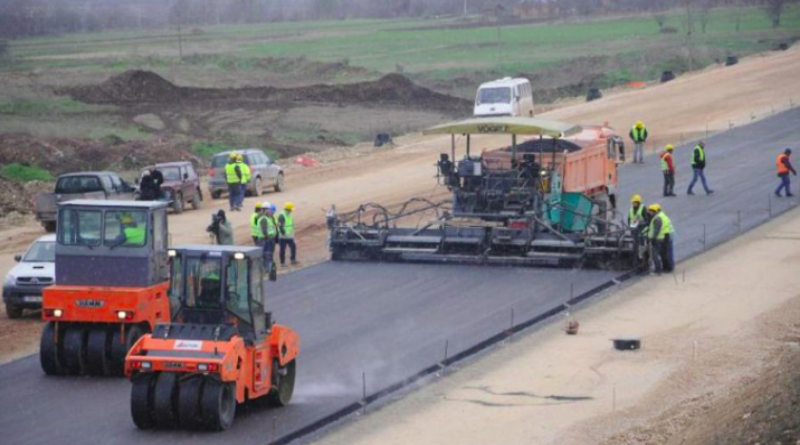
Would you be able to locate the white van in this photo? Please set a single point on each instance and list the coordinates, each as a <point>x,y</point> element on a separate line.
<point>504,97</point>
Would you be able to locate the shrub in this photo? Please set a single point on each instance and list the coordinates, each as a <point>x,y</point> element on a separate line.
<point>24,173</point>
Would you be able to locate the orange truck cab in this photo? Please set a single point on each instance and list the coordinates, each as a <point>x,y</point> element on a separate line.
<point>111,285</point>
<point>221,348</point>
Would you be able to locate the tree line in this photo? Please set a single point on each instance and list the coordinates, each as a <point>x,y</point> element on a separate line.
<point>26,18</point>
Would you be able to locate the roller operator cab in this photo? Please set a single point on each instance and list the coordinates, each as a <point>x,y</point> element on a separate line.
<point>220,349</point>
<point>112,277</point>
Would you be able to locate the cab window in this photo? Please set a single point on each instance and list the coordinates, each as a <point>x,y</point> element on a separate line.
<point>126,228</point>
<point>176,284</point>
<point>203,281</point>
<point>79,227</point>
<point>237,290</point>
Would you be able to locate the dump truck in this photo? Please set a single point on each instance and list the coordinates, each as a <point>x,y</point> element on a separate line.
<point>221,348</point>
<point>111,285</point>
<point>548,201</point>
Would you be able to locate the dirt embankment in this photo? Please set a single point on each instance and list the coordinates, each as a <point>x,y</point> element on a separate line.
<point>138,87</point>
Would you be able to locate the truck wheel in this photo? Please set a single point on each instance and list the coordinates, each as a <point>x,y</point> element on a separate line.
<point>189,402</point>
<point>119,348</point>
<point>75,350</point>
<point>283,383</point>
<point>97,351</point>
<point>259,190</point>
<point>196,199</point>
<point>218,405</point>
<point>142,401</point>
<point>49,226</point>
<point>163,408</point>
<point>13,311</point>
<point>216,195</point>
<point>48,350</point>
<point>177,203</point>
<point>279,183</point>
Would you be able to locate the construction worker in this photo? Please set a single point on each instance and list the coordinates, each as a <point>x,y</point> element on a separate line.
<point>639,136</point>
<point>661,233</point>
<point>233,177</point>
<point>636,214</point>
<point>270,231</point>
<point>668,168</point>
<point>286,230</point>
<point>131,234</point>
<point>255,230</point>
<point>784,166</point>
<point>245,178</point>
<point>698,166</point>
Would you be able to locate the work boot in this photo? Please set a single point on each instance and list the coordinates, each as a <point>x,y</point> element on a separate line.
<point>690,193</point>
<point>710,192</point>
<point>778,195</point>
<point>295,262</point>
<point>789,195</point>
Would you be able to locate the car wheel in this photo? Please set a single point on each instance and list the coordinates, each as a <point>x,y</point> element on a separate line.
<point>177,203</point>
<point>216,195</point>
<point>196,200</point>
<point>13,311</point>
<point>279,183</point>
<point>259,188</point>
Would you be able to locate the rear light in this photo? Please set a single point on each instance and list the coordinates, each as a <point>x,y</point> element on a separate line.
<point>144,366</point>
<point>57,313</point>
<point>208,367</point>
<point>518,224</point>
<point>125,315</point>
<point>211,172</point>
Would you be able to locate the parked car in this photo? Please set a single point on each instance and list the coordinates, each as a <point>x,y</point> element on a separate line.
<point>36,270</point>
<point>181,184</point>
<point>82,185</point>
<point>265,173</point>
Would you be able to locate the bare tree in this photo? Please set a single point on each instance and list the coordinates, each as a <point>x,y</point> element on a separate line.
<point>774,9</point>
<point>704,14</point>
<point>660,19</point>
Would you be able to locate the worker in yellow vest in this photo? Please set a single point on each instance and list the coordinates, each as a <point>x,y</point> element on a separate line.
<point>286,230</point>
<point>255,229</point>
<point>662,235</point>
<point>244,180</point>
<point>269,229</point>
<point>639,136</point>
<point>233,177</point>
<point>636,214</point>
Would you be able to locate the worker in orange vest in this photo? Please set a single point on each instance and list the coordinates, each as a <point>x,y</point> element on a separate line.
<point>668,168</point>
<point>784,166</point>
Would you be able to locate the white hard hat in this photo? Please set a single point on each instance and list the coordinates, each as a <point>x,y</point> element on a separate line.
<point>266,205</point>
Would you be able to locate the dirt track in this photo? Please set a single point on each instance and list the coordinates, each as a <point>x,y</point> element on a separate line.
<point>682,108</point>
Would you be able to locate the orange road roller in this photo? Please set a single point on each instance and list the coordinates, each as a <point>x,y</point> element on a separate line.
<point>112,275</point>
<point>221,348</point>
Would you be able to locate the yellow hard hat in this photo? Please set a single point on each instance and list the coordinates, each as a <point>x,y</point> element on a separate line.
<point>636,198</point>
<point>258,205</point>
<point>289,206</point>
<point>126,219</point>
<point>240,157</point>
<point>233,155</point>
<point>654,208</point>
<point>669,147</point>
<point>639,124</point>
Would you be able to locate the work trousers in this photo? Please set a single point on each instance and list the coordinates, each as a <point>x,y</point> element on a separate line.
<point>663,254</point>
<point>699,173</point>
<point>257,241</point>
<point>268,247</point>
<point>669,183</point>
<point>233,195</point>
<point>638,152</point>
<point>284,242</point>
<point>784,185</point>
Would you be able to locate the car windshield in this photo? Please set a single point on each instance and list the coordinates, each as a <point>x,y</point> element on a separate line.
<point>498,95</point>
<point>78,184</point>
<point>41,252</point>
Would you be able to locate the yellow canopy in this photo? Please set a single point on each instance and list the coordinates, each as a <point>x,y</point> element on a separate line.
<point>507,125</point>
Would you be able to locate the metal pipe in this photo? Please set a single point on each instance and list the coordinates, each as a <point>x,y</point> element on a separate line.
<point>513,148</point>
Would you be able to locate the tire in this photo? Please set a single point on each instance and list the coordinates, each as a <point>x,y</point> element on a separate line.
<point>279,183</point>
<point>259,188</point>
<point>164,397</point>
<point>196,200</point>
<point>119,349</point>
<point>216,195</point>
<point>284,378</point>
<point>13,311</point>
<point>177,203</point>
<point>189,395</point>
<point>98,352</point>
<point>142,401</point>
<point>74,352</point>
<point>49,226</point>
<point>49,356</point>
<point>218,404</point>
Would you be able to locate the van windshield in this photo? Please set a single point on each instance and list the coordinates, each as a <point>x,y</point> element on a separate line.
<point>498,95</point>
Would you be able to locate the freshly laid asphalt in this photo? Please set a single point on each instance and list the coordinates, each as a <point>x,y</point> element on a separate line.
<point>380,324</point>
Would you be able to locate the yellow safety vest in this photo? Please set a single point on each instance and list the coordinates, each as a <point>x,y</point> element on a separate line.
<point>134,236</point>
<point>636,215</point>
<point>272,230</point>
<point>255,229</point>
<point>230,173</point>
<point>702,156</point>
<point>288,224</point>
<point>245,172</point>
<point>666,226</point>
<point>638,133</point>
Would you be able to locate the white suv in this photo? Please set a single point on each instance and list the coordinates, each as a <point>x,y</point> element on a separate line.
<point>35,271</point>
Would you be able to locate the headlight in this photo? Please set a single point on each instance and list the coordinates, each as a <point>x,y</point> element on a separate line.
<point>11,280</point>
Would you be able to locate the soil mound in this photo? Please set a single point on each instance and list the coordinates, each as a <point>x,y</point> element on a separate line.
<point>140,87</point>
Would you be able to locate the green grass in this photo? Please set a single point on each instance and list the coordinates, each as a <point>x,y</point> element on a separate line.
<point>24,173</point>
<point>39,107</point>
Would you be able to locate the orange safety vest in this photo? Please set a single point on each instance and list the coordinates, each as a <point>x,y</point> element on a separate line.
<point>782,169</point>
